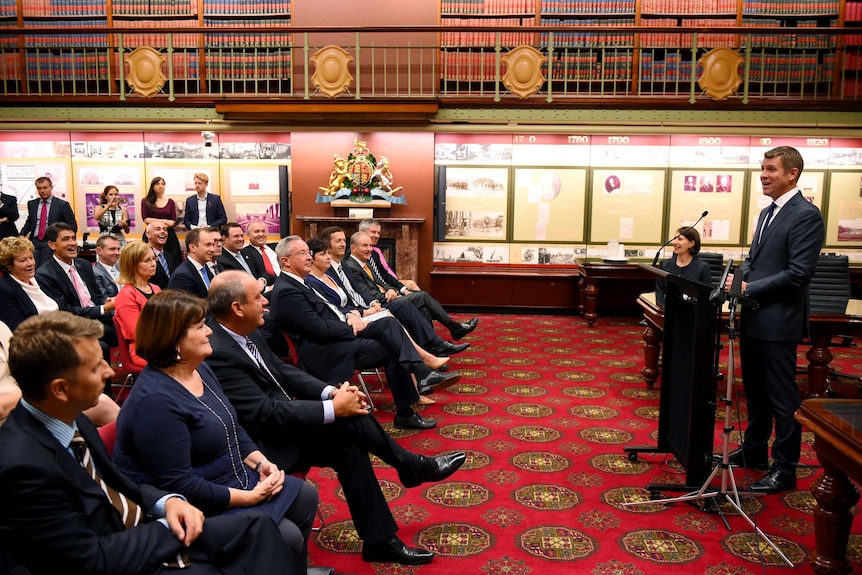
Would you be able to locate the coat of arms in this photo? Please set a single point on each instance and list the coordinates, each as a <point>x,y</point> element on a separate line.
<point>360,178</point>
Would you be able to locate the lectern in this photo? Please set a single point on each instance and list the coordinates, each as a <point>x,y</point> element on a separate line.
<point>688,382</point>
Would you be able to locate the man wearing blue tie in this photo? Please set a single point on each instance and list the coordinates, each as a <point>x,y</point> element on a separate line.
<point>193,275</point>
<point>776,273</point>
<point>234,258</point>
<point>105,269</point>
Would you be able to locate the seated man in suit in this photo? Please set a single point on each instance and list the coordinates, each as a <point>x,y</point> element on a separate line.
<point>194,275</point>
<point>332,345</point>
<point>372,228</point>
<point>367,275</point>
<point>203,209</point>
<point>106,270</point>
<point>263,255</point>
<point>299,421</point>
<point>70,281</point>
<point>57,478</point>
<point>234,258</point>
<point>157,236</point>
<point>41,213</point>
<point>419,327</point>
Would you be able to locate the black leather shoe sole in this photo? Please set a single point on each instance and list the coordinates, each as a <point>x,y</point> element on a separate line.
<point>773,483</point>
<point>450,380</point>
<point>415,422</point>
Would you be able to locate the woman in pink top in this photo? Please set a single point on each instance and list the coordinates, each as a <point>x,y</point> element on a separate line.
<point>137,266</point>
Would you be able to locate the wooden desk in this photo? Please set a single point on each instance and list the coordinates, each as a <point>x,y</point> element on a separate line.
<point>620,285</point>
<point>822,327</point>
<point>837,427</point>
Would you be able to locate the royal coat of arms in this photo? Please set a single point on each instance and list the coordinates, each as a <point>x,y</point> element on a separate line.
<point>360,178</point>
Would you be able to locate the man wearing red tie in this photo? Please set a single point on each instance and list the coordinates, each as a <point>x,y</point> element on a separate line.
<point>260,253</point>
<point>41,213</point>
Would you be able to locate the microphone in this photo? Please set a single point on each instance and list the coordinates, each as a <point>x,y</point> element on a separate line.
<point>664,245</point>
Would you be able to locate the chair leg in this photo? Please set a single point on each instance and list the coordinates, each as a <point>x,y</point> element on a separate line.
<point>365,389</point>
<point>128,382</point>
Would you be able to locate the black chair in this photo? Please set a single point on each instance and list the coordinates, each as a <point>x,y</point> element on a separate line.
<point>716,266</point>
<point>829,292</point>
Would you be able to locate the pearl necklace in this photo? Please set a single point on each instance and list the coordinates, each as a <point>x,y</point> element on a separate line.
<point>233,463</point>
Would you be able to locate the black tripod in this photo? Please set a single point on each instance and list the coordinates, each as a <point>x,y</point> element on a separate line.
<point>728,490</point>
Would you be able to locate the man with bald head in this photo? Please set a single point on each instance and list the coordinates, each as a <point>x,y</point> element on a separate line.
<point>299,421</point>
<point>157,236</point>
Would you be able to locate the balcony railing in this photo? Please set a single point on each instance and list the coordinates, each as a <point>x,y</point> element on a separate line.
<point>822,65</point>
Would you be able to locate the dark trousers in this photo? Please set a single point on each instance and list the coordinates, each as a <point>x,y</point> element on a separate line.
<point>430,308</point>
<point>238,544</point>
<point>414,322</point>
<point>771,393</point>
<point>370,354</point>
<point>344,446</point>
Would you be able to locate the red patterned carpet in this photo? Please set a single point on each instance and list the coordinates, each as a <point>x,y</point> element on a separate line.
<point>544,410</point>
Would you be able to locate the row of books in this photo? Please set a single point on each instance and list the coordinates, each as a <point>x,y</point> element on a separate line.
<point>590,39</point>
<point>853,40</point>
<point>673,68</point>
<point>63,8</point>
<point>852,89</point>
<point>155,7</point>
<point>672,40</point>
<point>67,41</point>
<point>9,70</point>
<point>246,7</point>
<point>249,40</point>
<point>688,7</point>
<point>791,7</point>
<point>51,66</point>
<point>475,38</point>
<point>458,7</point>
<point>613,67</point>
<point>588,6</point>
<point>788,68</point>
<point>853,11</point>
<point>273,65</point>
<point>852,61</point>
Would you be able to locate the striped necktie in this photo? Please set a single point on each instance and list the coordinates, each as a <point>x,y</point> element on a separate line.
<point>255,353</point>
<point>357,299</point>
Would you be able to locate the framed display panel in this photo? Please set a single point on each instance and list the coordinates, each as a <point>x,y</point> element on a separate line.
<point>844,216</point>
<point>18,178</point>
<point>251,191</point>
<point>564,255</point>
<point>721,192</point>
<point>474,203</point>
<point>179,179</point>
<point>549,204</point>
<point>811,183</point>
<point>470,253</point>
<point>627,205</point>
<point>91,178</point>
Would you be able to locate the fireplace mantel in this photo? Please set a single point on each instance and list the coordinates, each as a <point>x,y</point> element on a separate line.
<point>405,231</point>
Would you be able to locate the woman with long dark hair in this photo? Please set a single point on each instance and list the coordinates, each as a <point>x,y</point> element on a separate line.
<point>157,206</point>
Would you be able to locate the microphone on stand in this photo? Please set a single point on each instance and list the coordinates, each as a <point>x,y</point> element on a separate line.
<point>664,245</point>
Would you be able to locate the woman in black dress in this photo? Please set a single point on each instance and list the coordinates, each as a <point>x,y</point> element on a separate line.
<point>684,262</point>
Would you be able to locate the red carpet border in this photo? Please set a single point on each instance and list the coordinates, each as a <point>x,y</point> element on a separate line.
<point>544,410</point>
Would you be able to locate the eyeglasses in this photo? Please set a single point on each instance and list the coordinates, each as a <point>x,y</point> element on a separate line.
<point>302,253</point>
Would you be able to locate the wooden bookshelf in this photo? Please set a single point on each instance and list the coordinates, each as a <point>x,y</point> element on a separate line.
<point>582,57</point>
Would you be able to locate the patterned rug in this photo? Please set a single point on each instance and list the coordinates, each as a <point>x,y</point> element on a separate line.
<point>544,410</point>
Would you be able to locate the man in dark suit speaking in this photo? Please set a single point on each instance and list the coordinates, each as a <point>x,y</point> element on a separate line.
<point>41,213</point>
<point>57,517</point>
<point>776,273</point>
<point>298,421</point>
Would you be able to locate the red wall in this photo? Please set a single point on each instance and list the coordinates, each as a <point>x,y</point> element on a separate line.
<point>411,159</point>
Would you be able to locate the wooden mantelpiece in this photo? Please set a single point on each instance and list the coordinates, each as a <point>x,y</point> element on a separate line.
<point>405,231</point>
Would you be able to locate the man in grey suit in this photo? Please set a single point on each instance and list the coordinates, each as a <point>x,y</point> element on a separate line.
<point>41,213</point>
<point>105,269</point>
<point>776,273</point>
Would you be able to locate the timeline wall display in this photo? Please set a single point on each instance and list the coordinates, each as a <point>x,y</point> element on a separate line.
<point>476,203</point>
<point>627,205</point>
<point>549,205</point>
<point>251,192</point>
<point>719,192</point>
<point>91,178</point>
<point>845,209</point>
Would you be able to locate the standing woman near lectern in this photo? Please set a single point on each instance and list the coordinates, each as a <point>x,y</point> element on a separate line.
<point>684,262</point>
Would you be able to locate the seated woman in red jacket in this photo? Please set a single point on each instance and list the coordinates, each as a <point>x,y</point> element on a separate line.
<point>137,266</point>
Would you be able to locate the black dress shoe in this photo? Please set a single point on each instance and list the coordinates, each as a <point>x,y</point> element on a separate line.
<point>320,571</point>
<point>436,381</point>
<point>462,329</point>
<point>751,460</point>
<point>775,481</point>
<point>447,348</point>
<point>393,550</point>
<point>415,421</point>
<point>433,469</point>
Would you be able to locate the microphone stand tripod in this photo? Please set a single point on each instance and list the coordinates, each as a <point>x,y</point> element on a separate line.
<point>728,490</point>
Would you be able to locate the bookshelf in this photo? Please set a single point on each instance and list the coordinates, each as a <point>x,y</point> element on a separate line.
<point>664,61</point>
<point>851,81</point>
<point>79,60</point>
